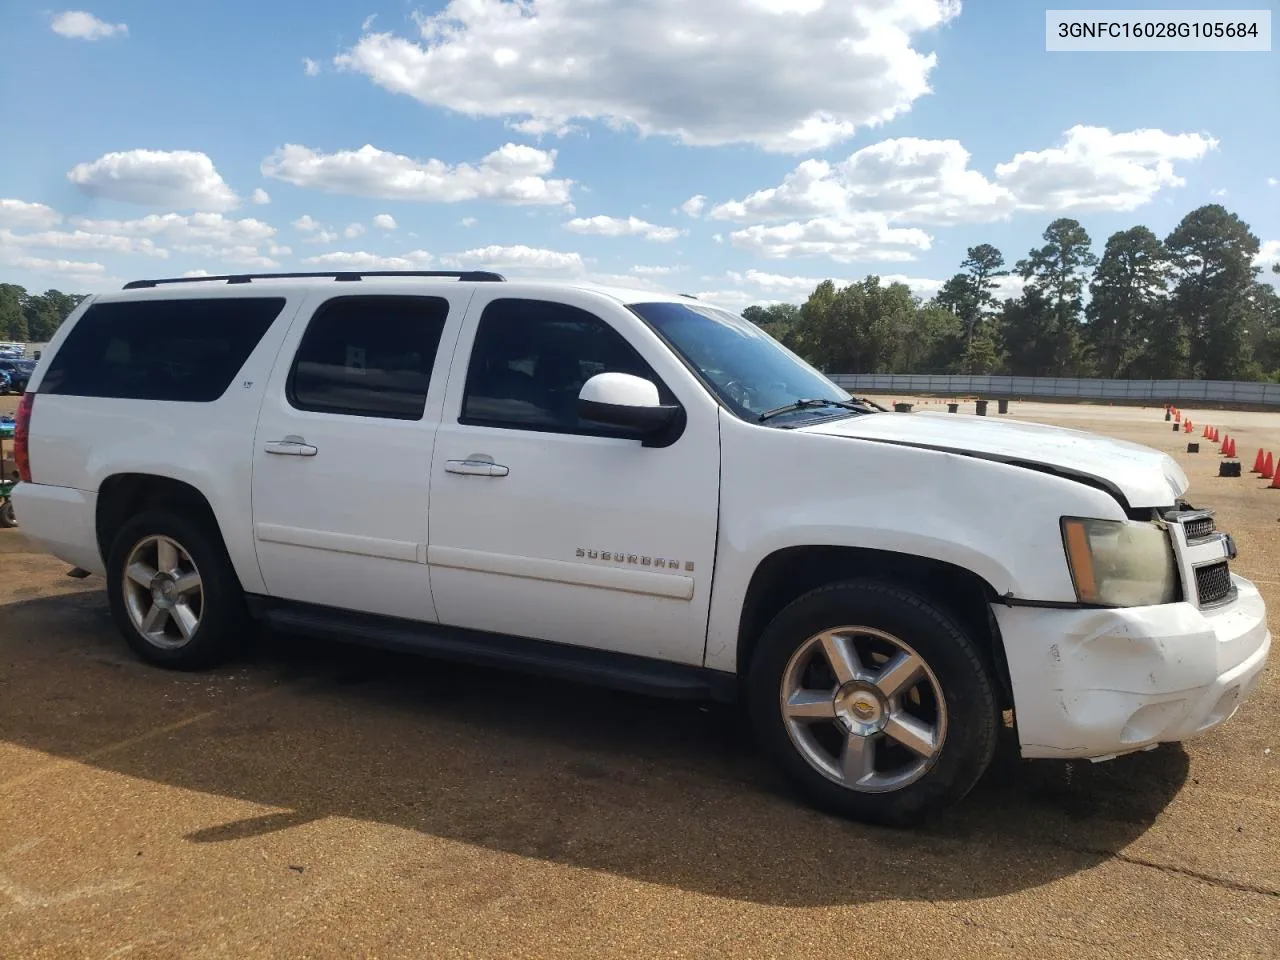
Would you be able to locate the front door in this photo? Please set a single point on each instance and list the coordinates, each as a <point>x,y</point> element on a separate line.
<point>342,454</point>
<point>545,525</point>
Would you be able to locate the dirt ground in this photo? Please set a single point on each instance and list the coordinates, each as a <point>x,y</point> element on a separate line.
<point>322,801</point>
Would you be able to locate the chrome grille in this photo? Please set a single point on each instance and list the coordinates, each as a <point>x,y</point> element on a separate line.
<point>1197,528</point>
<point>1199,544</point>
<point>1213,582</point>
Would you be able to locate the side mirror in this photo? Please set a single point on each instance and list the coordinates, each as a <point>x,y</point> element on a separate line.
<point>624,400</point>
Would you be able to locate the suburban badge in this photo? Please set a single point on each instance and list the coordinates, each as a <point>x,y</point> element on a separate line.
<point>614,556</point>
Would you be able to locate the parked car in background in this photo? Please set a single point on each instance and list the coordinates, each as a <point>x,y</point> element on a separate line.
<point>16,374</point>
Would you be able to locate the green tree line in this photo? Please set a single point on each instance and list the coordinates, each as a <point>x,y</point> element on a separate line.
<point>33,317</point>
<point>1188,306</point>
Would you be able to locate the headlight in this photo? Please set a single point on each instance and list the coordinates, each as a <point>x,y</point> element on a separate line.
<point>1120,563</point>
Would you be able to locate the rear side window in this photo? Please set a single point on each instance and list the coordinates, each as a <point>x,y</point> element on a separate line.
<point>182,350</point>
<point>369,356</point>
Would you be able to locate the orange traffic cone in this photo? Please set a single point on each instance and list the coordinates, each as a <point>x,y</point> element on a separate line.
<point>1187,424</point>
<point>1268,467</point>
<point>1204,431</point>
<point>1257,462</point>
<point>1231,446</point>
<point>1275,480</point>
<point>1177,416</point>
<point>1225,445</point>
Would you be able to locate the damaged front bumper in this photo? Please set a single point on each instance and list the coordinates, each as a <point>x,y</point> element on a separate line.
<point>1097,683</point>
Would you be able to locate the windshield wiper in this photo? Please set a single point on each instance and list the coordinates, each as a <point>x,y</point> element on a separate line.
<point>809,403</point>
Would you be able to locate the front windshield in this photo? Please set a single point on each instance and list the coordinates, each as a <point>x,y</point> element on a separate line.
<point>751,372</point>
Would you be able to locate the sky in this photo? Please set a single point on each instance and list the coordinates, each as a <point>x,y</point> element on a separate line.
<point>739,150</point>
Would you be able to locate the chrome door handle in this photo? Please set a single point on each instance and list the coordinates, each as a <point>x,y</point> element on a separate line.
<point>473,467</point>
<point>291,446</point>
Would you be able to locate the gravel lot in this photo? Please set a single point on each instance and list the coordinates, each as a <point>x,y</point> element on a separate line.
<point>321,801</point>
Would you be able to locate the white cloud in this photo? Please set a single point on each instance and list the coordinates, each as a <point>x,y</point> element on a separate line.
<point>518,257</point>
<point>361,260</point>
<point>856,237</point>
<point>853,209</point>
<point>181,179</point>
<point>385,221</point>
<point>922,287</point>
<point>788,76</point>
<point>693,206</point>
<point>734,300</point>
<point>260,197</point>
<point>718,237</point>
<point>1273,182</point>
<point>367,22</point>
<point>756,286</point>
<point>197,273</point>
<point>789,287</point>
<point>310,67</point>
<point>191,228</point>
<point>915,180</point>
<point>79,25</point>
<point>652,271</point>
<point>244,255</point>
<point>316,231</point>
<point>85,240</point>
<point>71,268</point>
<point>468,222</point>
<point>353,230</point>
<point>513,173</point>
<point>626,281</point>
<point>1220,192</point>
<point>617,227</point>
<point>926,287</point>
<point>211,235</point>
<point>543,128</point>
<point>1268,253</point>
<point>19,213</point>
<point>1095,169</point>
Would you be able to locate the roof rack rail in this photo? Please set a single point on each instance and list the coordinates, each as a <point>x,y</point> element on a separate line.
<point>341,275</point>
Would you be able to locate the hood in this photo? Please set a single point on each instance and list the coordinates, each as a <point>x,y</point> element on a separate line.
<point>1139,476</point>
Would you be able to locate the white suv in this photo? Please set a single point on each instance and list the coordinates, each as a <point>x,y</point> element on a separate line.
<point>635,489</point>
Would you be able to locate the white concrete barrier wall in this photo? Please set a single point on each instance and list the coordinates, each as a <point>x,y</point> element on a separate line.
<point>1152,391</point>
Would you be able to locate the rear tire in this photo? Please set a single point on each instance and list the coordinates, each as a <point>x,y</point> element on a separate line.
<point>873,702</point>
<point>174,595</point>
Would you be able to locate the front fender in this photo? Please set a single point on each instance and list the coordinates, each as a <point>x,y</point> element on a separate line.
<point>781,489</point>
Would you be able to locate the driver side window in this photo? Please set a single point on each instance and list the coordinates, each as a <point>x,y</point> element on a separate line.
<point>530,360</point>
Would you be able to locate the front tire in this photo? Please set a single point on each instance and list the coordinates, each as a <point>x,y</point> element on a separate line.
<point>174,595</point>
<point>873,702</point>
<point>8,518</point>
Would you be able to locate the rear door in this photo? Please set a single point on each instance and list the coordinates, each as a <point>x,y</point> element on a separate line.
<point>342,453</point>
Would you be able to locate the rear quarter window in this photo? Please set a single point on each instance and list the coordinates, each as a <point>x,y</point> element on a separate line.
<point>183,350</point>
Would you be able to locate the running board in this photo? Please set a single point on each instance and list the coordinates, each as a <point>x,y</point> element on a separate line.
<point>617,671</point>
